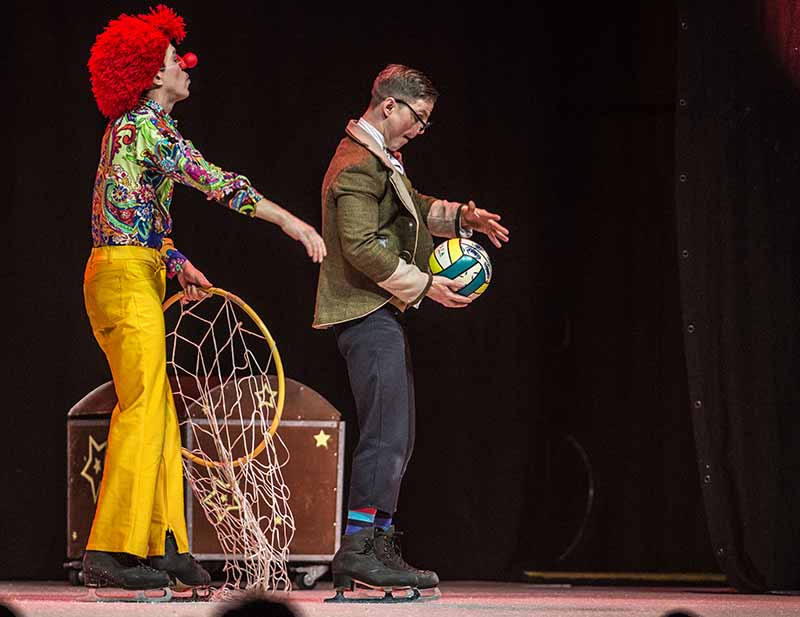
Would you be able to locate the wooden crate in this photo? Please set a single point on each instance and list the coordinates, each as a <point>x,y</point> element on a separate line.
<point>310,427</point>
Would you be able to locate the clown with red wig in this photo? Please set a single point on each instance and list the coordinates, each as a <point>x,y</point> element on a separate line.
<point>138,538</point>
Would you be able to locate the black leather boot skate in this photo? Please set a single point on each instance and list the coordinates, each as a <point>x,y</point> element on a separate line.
<point>182,569</point>
<point>387,548</point>
<point>102,569</point>
<point>356,561</point>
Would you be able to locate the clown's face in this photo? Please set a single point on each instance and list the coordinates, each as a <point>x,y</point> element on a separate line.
<point>172,79</point>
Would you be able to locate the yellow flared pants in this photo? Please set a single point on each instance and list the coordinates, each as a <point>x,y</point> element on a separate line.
<point>141,494</point>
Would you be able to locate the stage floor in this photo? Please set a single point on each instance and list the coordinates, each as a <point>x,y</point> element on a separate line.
<point>459,599</point>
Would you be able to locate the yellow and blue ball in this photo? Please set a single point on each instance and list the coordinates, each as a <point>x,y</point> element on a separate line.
<point>464,261</point>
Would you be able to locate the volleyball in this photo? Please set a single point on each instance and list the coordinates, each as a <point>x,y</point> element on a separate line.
<point>465,261</point>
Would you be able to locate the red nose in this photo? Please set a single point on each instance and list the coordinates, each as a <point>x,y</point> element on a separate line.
<point>187,61</point>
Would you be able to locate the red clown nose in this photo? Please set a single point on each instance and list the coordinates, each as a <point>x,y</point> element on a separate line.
<point>188,61</point>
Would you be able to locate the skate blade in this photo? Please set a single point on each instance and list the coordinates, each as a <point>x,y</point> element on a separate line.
<point>367,594</point>
<point>118,594</point>
<point>192,594</point>
<point>426,595</point>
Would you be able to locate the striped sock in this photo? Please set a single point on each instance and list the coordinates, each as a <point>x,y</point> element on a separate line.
<point>358,519</point>
<point>383,520</point>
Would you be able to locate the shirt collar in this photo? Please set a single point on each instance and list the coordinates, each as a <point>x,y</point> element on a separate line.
<point>160,111</point>
<point>377,136</point>
<point>373,132</point>
<point>156,107</point>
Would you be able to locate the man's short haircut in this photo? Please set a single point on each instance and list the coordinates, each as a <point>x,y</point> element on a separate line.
<point>404,83</point>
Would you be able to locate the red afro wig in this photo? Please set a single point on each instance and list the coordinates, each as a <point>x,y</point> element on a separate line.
<point>127,54</point>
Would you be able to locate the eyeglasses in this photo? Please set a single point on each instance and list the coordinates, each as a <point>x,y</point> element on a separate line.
<point>189,61</point>
<point>425,125</point>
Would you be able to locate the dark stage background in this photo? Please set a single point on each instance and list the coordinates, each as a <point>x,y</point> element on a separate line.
<point>737,179</point>
<point>560,119</point>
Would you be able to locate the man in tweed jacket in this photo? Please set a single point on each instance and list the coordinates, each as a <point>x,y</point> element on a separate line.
<point>378,231</point>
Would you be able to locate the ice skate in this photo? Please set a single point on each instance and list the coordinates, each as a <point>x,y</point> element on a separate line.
<point>357,568</point>
<point>185,574</point>
<point>118,577</point>
<point>387,548</point>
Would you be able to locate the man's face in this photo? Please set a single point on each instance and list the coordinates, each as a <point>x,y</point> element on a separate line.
<point>174,80</point>
<point>404,120</point>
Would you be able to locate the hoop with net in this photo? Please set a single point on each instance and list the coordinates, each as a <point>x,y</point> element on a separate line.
<point>220,353</point>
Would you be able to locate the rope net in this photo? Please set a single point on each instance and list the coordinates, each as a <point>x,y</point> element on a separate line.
<point>219,354</point>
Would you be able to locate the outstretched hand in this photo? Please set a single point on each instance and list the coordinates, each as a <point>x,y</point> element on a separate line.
<point>293,227</point>
<point>485,222</point>
<point>193,281</point>
<point>444,291</point>
<point>307,235</point>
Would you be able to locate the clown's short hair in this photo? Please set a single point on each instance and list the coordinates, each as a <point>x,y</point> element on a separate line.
<point>127,54</point>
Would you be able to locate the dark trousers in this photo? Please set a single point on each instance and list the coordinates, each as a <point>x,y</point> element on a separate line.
<point>378,359</point>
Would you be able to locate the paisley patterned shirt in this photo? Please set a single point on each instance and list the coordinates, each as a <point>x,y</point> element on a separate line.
<point>142,157</point>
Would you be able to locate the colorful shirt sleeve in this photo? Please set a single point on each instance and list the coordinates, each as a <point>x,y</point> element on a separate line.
<point>174,260</point>
<point>161,148</point>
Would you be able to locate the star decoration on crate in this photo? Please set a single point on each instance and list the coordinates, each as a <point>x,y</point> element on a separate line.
<point>322,439</point>
<point>216,502</point>
<point>94,463</point>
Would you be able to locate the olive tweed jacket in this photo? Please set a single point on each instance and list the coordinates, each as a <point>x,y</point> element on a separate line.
<point>378,231</point>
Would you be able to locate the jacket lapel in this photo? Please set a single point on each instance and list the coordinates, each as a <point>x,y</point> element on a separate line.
<point>396,178</point>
